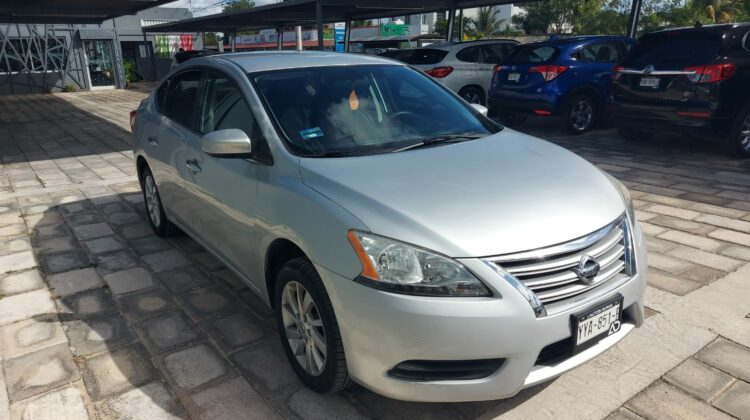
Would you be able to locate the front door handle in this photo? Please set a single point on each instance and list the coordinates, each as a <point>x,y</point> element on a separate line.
<point>153,141</point>
<point>193,166</point>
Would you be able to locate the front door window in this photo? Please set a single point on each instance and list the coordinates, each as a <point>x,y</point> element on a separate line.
<point>101,68</point>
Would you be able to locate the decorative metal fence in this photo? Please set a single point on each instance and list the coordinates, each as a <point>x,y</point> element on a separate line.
<point>40,58</point>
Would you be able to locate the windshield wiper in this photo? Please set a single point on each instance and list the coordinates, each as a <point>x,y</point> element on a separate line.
<point>445,138</point>
<point>336,153</point>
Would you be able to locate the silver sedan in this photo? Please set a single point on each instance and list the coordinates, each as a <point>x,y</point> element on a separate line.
<point>404,240</point>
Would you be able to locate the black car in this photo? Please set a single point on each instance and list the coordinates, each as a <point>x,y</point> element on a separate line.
<point>687,80</point>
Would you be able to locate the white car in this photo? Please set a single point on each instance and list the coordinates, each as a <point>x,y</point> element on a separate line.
<point>464,67</point>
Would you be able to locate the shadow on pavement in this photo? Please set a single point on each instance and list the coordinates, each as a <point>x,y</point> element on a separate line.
<point>159,327</point>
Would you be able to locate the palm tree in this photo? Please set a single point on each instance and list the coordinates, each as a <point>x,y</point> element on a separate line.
<point>487,23</point>
<point>723,11</point>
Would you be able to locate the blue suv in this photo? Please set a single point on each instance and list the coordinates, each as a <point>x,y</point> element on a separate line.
<point>566,77</point>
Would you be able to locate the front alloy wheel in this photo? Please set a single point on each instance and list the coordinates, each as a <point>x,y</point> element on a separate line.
<point>308,328</point>
<point>303,328</point>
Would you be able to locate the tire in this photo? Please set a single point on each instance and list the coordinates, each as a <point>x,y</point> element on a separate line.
<point>158,220</point>
<point>737,143</point>
<point>512,119</point>
<point>634,135</point>
<point>472,95</point>
<point>580,114</point>
<point>333,376</point>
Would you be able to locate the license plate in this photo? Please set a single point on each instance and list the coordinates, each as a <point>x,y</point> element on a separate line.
<point>651,82</point>
<point>597,323</point>
<point>514,77</point>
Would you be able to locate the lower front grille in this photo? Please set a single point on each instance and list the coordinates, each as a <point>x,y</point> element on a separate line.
<point>558,273</point>
<point>445,370</point>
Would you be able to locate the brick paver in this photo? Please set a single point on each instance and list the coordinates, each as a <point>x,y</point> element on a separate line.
<point>99,318</point>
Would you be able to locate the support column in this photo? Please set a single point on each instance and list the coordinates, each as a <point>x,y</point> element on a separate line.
<point>298,32</point>
<point>319,24</point>
<point>451,23</point>
<point>461,25</point>
<point>347,34</point>
<point>234,40</point>
<point>635,15</point>
<point>280,36</point>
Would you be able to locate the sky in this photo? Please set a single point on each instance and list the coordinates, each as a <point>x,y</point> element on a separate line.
<point>209,6</point>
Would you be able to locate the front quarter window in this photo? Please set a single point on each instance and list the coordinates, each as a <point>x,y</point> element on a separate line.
<point>364,109</point>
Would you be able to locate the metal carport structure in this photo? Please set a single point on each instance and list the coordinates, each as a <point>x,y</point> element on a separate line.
<point>70,11</point>
<point>320,12</point>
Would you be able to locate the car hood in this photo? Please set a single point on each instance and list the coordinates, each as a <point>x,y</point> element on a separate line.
<point>504,193</point>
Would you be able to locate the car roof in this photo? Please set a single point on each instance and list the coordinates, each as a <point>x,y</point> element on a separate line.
<point>718,27</point>
<point>566,41</point>
<point>448,45</point>
<point>252,62</point>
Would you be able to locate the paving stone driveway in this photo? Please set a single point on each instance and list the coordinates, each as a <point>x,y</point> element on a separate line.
<point>101,319</point>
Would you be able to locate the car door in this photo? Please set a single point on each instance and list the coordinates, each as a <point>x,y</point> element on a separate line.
<point>224,190</point>
<point>465,68</point>
<point>170,130</point>
<point>606,54</point>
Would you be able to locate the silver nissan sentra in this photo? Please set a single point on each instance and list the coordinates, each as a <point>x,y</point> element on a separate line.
<point>404,240</point>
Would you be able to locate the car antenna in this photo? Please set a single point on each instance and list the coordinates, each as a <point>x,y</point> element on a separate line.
<point>698,24</point>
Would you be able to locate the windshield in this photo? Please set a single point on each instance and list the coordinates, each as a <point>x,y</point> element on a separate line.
<point>365,109</point>
<point>674,50</point>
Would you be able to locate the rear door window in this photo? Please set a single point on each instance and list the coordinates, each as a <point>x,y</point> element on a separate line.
<point>604,52</point>
<point>532,54</point>
<point>674,50</point>
<point>468,55</point>
<point>181,97</point>
<point>425,56</point>
<point>495,53</point>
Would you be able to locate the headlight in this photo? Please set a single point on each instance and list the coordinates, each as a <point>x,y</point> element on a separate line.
<point>625,194</point>
<point>401,268</point>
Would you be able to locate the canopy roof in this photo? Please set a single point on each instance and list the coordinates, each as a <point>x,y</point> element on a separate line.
<point>303,12</point>
<point>70,11</point>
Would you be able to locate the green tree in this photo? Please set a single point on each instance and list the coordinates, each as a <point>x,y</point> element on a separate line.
<point>487,23</point>
<point>236,5</point>
<point>441,27</point>
<point>555,16</point>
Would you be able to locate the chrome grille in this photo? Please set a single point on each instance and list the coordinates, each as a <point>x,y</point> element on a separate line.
<point>549,272</point>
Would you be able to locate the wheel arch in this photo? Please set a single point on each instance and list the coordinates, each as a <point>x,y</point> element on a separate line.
<point>278,253</point>
<point>475,86</point>
<point>140,165</point>
<point>587,90</point>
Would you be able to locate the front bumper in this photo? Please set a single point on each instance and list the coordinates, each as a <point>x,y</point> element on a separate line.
<point>380,330</point>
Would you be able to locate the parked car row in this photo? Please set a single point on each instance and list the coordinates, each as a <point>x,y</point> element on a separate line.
<point>693,81</point>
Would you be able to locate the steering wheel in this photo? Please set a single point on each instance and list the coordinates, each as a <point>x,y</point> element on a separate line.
<point>402,113</point>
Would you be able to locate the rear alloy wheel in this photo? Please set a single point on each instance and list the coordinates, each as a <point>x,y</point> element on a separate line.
<point>636,136</point>
<point>580,114</point>
<point>737,144</point>
<point>308,328</point>
<point>472,95</point>
<point>156,216</point>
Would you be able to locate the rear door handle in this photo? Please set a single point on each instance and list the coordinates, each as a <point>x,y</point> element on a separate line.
<point>193,166</point>
<point>153,141</point>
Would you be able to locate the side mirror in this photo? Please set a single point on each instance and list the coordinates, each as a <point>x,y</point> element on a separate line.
<point>228,143</point>
<point>481,109</point>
